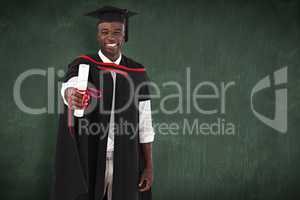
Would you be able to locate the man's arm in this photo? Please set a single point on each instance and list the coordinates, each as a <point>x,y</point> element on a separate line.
<point>146,138</point>
<point>147,176</point>
<point>147,150</point>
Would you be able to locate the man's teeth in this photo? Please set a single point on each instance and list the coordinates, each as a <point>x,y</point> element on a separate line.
<point>112,45</point>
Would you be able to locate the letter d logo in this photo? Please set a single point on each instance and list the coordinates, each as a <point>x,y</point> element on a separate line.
<point>279,122</point>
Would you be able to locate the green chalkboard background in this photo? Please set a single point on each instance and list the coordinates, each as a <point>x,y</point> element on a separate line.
<point>218,40</point>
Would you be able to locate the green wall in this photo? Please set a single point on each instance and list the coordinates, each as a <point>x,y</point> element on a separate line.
<point>218,40</point>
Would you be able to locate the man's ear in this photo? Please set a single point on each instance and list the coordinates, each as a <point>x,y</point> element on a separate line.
<point>97,37</point>
<point>124,33</point>
<point>97,32</point>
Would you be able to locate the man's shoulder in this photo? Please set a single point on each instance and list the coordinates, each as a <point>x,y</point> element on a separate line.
<point>94,56</point>
<point>140,75</point>
<point>129,62</point>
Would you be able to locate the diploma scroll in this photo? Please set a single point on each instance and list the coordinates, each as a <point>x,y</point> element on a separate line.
<point>82,82</point>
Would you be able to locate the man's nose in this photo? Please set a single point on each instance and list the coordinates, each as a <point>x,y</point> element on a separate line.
<point>111,38</point>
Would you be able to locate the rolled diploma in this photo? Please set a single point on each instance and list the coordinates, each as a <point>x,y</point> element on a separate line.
<point>82,81</point>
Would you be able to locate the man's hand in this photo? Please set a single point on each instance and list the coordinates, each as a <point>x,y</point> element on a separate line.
<point>146,180</point>
<point>77,100</point>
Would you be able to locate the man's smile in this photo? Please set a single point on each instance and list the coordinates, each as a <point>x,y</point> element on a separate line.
<point>111,45</point>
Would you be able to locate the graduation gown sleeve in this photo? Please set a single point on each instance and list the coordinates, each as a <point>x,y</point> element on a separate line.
<point>69,180</point>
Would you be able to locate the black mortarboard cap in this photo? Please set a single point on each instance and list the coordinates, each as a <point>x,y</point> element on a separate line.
<point>112,14</point>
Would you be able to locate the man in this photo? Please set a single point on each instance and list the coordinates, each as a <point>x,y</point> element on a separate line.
<point>116,162</point>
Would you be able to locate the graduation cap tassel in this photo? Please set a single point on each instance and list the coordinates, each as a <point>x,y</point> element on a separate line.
<point>126,29</point>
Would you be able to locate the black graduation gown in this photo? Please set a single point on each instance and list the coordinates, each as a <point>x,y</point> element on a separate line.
<point>80,158</point>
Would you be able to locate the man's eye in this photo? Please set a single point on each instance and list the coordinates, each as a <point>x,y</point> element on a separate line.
<point>117,33</point>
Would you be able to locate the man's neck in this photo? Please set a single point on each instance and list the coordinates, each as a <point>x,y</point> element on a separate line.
<point>113,58</point>
<point>105,58</point>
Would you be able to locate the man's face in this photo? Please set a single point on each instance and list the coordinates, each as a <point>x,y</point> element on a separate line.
<point>111,37</point>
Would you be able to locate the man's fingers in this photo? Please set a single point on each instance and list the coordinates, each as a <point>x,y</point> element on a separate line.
<point>77,106</point>
<point>146,186</point>
<point>78,95</point>
<point>141,181</point>
<point>78,100</point>
<point>74,92</point>
<point>78,103</point>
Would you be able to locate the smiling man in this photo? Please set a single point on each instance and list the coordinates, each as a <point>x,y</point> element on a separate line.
<point>115,161</point>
